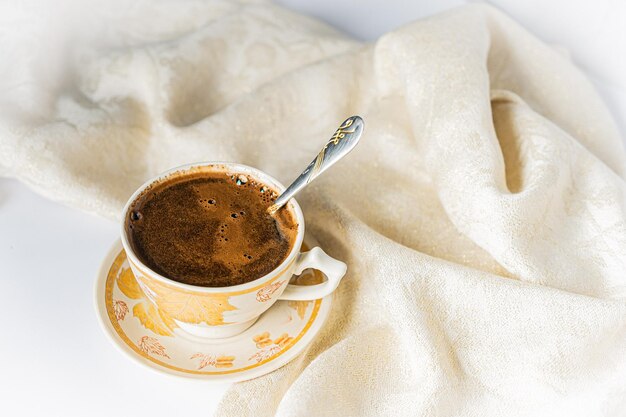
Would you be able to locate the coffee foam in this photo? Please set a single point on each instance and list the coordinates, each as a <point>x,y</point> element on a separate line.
<point>210,228</point>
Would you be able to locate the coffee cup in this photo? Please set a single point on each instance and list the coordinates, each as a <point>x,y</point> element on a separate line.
<point>217,312</point>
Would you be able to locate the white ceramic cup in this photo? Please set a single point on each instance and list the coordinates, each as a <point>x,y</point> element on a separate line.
<point>215,312</point>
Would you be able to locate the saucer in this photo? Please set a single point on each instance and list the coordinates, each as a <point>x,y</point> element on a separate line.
<point>135,327</point>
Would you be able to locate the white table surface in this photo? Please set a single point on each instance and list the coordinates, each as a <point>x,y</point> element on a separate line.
<point>55,360</point>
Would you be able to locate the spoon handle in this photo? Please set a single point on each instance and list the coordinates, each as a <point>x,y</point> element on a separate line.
<point>343,141</point>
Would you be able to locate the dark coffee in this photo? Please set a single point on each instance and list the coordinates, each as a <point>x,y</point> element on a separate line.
<point>210,228</point>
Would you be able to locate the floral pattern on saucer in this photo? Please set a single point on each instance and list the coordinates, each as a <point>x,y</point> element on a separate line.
<point>154,338</point>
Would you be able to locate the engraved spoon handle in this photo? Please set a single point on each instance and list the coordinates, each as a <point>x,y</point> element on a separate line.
<point>343,141</point>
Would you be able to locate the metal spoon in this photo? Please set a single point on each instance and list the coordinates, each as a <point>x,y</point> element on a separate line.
<point>343,141</point>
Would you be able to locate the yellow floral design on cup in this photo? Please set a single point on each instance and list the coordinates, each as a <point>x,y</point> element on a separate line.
<point>188,306</point>
<point>150,317</point>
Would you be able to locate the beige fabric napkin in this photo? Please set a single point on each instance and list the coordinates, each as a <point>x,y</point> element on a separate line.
<point>483,216</point>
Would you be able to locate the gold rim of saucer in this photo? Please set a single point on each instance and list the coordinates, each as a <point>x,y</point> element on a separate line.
<point>276,338</point>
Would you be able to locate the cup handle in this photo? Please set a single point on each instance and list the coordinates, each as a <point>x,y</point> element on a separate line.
<point>316,258</point>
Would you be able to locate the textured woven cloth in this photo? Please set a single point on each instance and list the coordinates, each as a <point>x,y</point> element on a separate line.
<point>482,217</point>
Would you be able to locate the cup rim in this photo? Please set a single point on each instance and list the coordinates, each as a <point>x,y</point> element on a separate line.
<point>261,175</point>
